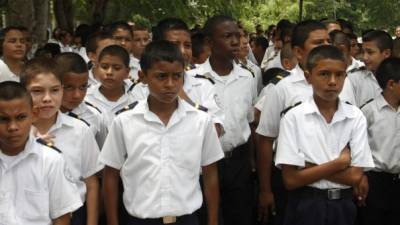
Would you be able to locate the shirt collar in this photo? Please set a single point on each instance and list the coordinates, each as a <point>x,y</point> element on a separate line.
<point>60,122</point>
<point>344,110</point>
<point>382,103</point>
<point>297,74</point>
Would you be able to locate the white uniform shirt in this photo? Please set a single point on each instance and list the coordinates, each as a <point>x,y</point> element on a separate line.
<point>134,67</point>
<point>6,74</point>
<point>33,187</point>
<point>383,134</point>
<point>160,165</point>
<point>79,148</point>
<point>199,90</point>
<point>305,136</point>
<point>92,80</point>
<point>270,53</point>
<point>108,108</point>
<point>95,120</point>
<point>275,62</point>
<point>365,86</point>
<point>289,91</point>
<point>257,73</point>
<point>354,64</point>
<point>236,94</point>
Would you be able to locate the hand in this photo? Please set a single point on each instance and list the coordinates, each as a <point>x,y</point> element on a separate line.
<point>266,205</point>
<point>345,157</point>
<point>361,191</point>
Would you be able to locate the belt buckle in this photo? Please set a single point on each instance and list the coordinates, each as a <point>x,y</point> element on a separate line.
<point>169,219</point>
<point>228,154</point>
<point>334,194</point>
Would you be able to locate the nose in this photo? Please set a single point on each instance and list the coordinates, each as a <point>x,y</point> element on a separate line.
<point>76,93</point>
<point>332,80</point>
<point>47,96</point>
<point>12,126</point>
<point>169,82</point>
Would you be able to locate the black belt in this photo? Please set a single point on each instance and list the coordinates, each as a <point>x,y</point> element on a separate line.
<point>385,175</point>
<point>237,152</point>
<point>329,194</point>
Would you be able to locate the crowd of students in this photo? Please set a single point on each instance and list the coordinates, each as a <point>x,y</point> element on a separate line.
<point>120,124</point>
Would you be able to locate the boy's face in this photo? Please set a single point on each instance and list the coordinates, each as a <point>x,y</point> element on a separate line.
<point>46,91</point>
<point>75,87</point>
<point>354,49</point>
<point>315,38</point>
<point>165,81</point>
<point>182,39</point>
<point>124,38</point>
<point>14,45</point>
<point>16,118</point>
<point>112,72</point>
<point>327,79</point>
<point>225,40</point>
<point>373,56</point>
<point>244,46</point>
<point>140,39</point>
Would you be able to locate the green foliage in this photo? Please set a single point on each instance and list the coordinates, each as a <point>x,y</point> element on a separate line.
<point>364,13</point>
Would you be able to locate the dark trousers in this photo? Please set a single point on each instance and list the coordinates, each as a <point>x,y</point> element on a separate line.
<point>79,217</point>
<point>237,188</point>
<point>308,207</point>
<point>191,219</point>
<point>383,200</point>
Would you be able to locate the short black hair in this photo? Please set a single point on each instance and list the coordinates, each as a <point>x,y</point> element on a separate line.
<point>382,39</point>
<point>112,28</point>
<point>352,36</point>
<point>346,25</point>
<point>83,31</point>
<point>389,69</point>
<point>198,42</point>
<point>302,31</point>
<point>11,90</point>
<point>214,21</point>
<point>168,24</point>
<point>323,52</point>
<point>93,40</point>
<point>287,52</point>
<point>117,51</point>
<point>261,41</point>
<point>158,51</point>
<point>40,65</point>
<point>49,50</point>
<point>340,38</point>
<point>70,62</point>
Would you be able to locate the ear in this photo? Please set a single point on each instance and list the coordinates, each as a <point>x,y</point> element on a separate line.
<point>307,75</point>
<point>92,57</point>
<point>387,53</point>
<point>285,63</point>
<point>390,84</point>
<point>298,52</point>
<point>142,77</point>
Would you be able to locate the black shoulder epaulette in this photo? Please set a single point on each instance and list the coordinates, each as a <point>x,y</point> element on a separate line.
<point>279,77</point>
<point>348,103</point>
<point>366,103</point>
<point>190,67</point>
<point>357,69</point>
<point>289,108</point>
<point>200,107</point>
<point>76,116</point>
<point>247,68</point>
<point>205,77</point>
<point>48,144</point>
<point>126,108</point>
<point>134,82</point>
<point>91,105</point>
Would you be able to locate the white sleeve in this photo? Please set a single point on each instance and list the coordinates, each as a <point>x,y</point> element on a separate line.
<point>90,155</point>
<point>63,194</point>
<point>270,114</point>
<point>288,151</point>
<point>361,155</point>
<point>113,152</point>
<point>347,93</point>
<point>212,150</point>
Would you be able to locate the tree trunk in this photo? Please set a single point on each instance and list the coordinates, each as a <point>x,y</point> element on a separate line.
<point>20,13</point>
<point>64,14</point>
<point>42,22</point>
<point>98,9</point>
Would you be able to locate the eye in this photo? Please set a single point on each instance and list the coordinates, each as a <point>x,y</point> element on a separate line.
<point>55,89</point>
<point>68,88</point>
<point>161,76</point>
<point>21,117</point>
<point>3,119</point>
<point>324,73</point>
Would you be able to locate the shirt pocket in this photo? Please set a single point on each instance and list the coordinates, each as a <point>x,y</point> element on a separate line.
<point>35,205</point>
<point>186,151</point>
